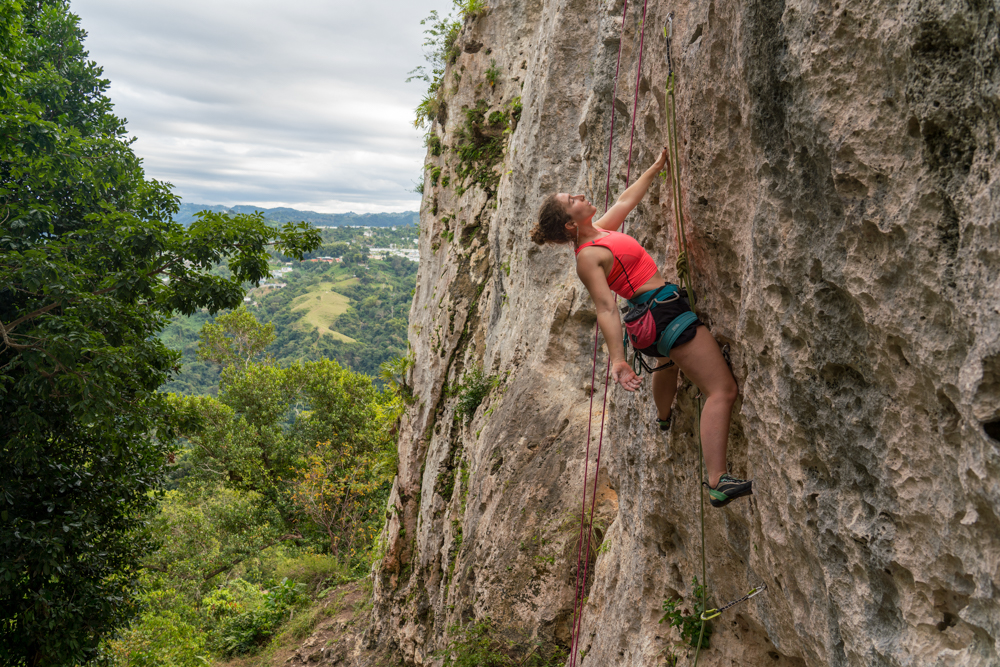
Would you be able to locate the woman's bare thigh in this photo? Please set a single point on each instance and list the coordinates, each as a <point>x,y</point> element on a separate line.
<point>703,363</point>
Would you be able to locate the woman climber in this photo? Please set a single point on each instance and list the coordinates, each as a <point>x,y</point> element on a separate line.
<point>660,322</point>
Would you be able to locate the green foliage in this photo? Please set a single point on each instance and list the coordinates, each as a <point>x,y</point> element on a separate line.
<point>514,109</point>
<point>234,339</point>
<point>335,488</point>
<point>475,386</point>
<point>433,143</point>
<point>205,531</point>
<point>244,632</point>
<point>440,51</point>
<point>394,373</point>
<point>689,623</point>
<point>91,268</point>
<point>480,144</point>
<point>483,644</point>
<point>492,76</point>
<point>316,572</point>
<point>168,634</point>
<point>268,419</point>
<point>471,8</point>
<point>435,175</point>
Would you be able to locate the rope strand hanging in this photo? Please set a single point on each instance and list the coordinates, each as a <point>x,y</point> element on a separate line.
<point>583,555</point>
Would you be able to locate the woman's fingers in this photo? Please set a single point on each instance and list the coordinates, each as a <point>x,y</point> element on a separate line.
<point>623,374</point>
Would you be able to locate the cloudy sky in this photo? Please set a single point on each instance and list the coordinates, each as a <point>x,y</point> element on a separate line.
<point>299,103</point>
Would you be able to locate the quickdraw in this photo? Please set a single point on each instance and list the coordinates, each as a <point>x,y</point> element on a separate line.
<point>709,614</point>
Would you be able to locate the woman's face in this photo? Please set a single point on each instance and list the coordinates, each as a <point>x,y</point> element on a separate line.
<point>577,206</point>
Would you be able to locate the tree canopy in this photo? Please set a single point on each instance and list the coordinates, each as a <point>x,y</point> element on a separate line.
<point>91,268</point>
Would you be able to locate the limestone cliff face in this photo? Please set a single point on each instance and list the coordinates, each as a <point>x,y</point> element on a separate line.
<point>841,175</point>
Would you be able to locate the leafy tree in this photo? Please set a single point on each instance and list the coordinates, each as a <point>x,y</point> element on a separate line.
<point>335,488</point>
<point>91,268</point>
<point>257,433</point>
<point>235,339</point>
<point>207,531</point>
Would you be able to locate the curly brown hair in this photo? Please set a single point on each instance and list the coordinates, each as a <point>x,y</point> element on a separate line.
<point>552,219</point>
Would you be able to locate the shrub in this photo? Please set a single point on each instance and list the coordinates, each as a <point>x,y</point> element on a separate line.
<point>166,634</point>
<point>440,36</point>
<point>315,571</point>
<point>470,9</point>
<point>433,143</point>
<point>247,631</point>
<point>475,386</point>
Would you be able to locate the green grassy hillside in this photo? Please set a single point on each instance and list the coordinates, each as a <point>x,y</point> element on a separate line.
<point>321,307</point>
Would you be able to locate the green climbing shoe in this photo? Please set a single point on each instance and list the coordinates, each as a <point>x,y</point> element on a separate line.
<point>665,423</point>
<point>728,489</point>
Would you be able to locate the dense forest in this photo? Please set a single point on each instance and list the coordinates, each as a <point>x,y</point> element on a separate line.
<point>152,513</point>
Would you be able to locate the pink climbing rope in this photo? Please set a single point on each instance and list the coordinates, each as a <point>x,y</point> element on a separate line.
<point>583,555</point>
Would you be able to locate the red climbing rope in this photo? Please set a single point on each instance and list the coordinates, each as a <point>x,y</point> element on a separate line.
<point>581,583</point>
<point>583,555</point>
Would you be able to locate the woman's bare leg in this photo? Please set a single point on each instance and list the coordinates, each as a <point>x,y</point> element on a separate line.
<point>664,388</point>
<point>702,362</point>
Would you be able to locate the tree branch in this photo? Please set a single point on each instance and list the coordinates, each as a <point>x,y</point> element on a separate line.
<point>224,568</point>
<point>8,328</point>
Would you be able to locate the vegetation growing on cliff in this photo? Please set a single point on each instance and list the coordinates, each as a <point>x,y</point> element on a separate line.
<point>486,644</point>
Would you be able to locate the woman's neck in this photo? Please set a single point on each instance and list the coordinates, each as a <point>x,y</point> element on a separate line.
<point>586,232</point>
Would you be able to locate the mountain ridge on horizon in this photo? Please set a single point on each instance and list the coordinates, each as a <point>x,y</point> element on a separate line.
<point>186,214</point>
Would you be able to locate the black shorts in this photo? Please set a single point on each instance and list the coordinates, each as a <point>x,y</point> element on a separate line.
<point>663,315</point>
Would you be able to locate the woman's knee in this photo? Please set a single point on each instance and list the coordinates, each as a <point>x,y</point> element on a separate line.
<point>727,390</point>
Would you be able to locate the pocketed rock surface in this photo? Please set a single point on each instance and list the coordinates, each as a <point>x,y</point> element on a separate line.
<point>841,184</point>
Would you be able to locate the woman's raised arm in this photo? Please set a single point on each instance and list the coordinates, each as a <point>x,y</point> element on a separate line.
<point>629,199</point>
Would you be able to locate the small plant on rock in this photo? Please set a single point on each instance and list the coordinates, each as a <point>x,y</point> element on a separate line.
<point>474,388</point>
<point>471,8</point>
<point>689,623</point>
<point>493,74</point>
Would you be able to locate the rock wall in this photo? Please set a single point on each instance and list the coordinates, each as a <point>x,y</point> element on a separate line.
<point>841,177</point>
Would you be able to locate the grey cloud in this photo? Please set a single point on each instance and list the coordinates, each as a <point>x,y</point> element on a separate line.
<point>302,104</point>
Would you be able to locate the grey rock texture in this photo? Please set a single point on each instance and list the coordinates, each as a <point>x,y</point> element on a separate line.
<point>841,178</point>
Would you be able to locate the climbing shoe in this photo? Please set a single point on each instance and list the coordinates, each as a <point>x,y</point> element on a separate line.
<point>728,489</point>
<point>664,424</point>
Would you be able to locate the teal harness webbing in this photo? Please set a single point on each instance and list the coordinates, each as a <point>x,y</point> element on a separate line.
<point>676,326</point>
<point>667,291</point>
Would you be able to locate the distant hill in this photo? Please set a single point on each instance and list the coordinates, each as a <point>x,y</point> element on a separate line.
<point>186,215</point>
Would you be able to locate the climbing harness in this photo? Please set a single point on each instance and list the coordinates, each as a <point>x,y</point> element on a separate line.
<point>709,614</point>
<point>640,326</point>
<point>583,561</point>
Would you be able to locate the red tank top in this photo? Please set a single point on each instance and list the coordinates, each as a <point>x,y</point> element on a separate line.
<point>632,267</point>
